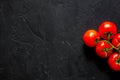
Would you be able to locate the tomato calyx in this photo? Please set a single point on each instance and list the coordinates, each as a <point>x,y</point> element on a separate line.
<point>97,41</point>
<point>107,49</point>
<point>109,35</point>
<point>118,61</point>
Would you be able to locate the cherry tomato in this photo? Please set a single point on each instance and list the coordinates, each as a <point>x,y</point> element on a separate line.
<point>114,61</point>
<point>90,38</point>
<point>103,49</point>
<point>116,40</point>
<point>106,28</point>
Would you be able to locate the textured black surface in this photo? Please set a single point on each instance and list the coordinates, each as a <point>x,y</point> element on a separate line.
<point>41,39</point>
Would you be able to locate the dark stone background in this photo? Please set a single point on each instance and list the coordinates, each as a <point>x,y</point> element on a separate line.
<point>41,39</point>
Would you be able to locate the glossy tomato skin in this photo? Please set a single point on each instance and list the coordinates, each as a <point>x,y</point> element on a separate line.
<point>107,27</point>
<point>113,61</point>
<point>116,40</point>
<point>103,49</point>
<point>90,37</point>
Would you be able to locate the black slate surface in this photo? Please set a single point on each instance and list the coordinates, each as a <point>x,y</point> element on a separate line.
<point>42,39</point>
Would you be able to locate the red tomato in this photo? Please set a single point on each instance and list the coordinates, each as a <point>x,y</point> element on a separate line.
<point>103,49</point>
<point>107,28</point>
<point>116,40</point>
<point>114,61</point>
<point>90,38</point>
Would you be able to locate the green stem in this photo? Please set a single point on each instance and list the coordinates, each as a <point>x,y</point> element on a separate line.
<point>108,34</point>
<point>118,46</point>
<point>117,49</point>
<point>97,41</point>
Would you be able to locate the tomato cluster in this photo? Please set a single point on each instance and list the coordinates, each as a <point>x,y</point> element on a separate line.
<point>106,41</point>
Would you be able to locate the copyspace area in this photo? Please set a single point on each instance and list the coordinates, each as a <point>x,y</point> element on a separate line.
<point>42,39</point>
